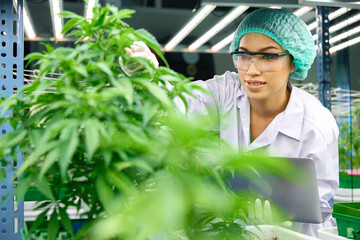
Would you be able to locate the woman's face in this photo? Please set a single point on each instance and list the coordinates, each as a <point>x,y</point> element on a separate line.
<point>259,85</point>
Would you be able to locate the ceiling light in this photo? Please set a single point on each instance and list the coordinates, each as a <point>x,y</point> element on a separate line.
<point>223,43</point>
<point>312,26</point>
<point>342,24</point>
<point>344,35</point>
<point>89,9</point>
<point>28,25</point>
<point>338,13</point>
<point>344,45</point>
<point>331,16</point>
<point>194,21</point>
<point>214,30</point>
<point>275,7</point>
<point>302,11</point>
<point>56,8</point>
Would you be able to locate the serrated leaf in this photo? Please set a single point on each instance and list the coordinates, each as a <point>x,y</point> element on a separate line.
<point>50,159</point>
<point>151,41</point>
<point>155,90</point>
<point>82,70</point>
<point>65,220</point>
<point>104,192</point>
<point>44,188</point>
<point>54,226</point>
<point>68,14</point>
<point>32,57</point>
<point>92,137</point>
<point>125,87</point>
<point>124,13</point>
<point>150,109</point>
<point>105,68</point>
<point>67,147</point>
<point>23,187</point>
<point>39,220</point>
<point>13,138</point>
<point>71,24</point>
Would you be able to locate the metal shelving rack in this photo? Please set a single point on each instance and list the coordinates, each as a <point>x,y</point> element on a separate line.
<point>11,59</point>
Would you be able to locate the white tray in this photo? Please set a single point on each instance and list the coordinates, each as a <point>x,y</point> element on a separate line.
<point>329,234</point>
<point>30,214</point>
<point>269,232</point>
<point>347,192</point>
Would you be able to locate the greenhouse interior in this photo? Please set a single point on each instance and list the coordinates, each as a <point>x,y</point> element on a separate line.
<point>180,119</point>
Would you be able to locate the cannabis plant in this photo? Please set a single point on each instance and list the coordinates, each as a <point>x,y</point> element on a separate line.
<point>349,142</point>
<point>118,144</point>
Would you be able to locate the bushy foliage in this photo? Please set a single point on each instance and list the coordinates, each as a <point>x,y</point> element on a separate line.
<point>349,142</point>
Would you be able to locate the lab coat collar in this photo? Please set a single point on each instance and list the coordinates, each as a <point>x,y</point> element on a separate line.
<point>289,122</point>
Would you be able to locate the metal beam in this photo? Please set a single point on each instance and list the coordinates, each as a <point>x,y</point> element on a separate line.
<point>331,3</point>
<point>253,3</point>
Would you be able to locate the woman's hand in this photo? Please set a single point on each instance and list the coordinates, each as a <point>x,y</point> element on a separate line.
<point>141,50</point>
<point>262,213</point>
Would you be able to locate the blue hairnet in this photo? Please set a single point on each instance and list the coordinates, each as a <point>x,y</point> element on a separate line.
<point>287,30</point>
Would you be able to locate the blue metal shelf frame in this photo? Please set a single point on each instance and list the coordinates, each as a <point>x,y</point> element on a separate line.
<point>11,80</point>
<point>323,56</point>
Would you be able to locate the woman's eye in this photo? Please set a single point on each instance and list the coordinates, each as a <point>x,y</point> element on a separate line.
<point>243,56</point>
<point>270,57</point>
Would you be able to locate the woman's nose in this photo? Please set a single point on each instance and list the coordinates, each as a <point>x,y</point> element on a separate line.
<point>253,70</point>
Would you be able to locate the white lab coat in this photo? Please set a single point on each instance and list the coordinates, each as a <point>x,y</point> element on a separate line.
<point>305,129</point>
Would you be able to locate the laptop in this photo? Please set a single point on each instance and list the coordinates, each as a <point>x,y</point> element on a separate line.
<point>296,199</point>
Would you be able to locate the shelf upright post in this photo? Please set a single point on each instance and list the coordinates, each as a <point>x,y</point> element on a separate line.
<point>11,80</point>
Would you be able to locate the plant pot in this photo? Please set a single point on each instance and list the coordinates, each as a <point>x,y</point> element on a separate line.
<point>349,189</point>
<point>347,217</point>
<point>349,181</point>
<point>329,234</point>
<point>270,232</point>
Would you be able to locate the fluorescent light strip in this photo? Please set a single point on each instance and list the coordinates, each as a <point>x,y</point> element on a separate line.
<point>28,25</point>
<point>342,24</point>
<point>275,7</point>
<point>223,43</point>
<point>302,11</point>
<point>338,13</point>
<point>331,16</point>
<point>203,12</point>
<point>89,9</point>
<point>344,35</point>
<point>56,6</point>
<point>344,45</point>
<point>312,26</point>
<point>214,30</point>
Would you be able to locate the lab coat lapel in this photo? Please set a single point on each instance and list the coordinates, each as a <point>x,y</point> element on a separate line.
<point>268,136</point>
<point>292,122</point>
<point>243,106</point>
<point>289,122</point>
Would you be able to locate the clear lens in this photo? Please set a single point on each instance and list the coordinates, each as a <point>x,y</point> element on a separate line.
<point>263,62</point>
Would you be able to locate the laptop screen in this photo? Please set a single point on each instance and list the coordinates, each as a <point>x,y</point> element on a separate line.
<point>296,199</point>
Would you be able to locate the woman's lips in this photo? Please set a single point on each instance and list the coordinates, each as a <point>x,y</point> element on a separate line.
<point>254,85</point>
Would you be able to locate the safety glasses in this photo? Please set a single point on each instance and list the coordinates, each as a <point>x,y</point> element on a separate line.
<point>264,62</point>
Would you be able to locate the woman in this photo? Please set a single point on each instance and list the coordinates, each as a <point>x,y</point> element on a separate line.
<point>259,108</point>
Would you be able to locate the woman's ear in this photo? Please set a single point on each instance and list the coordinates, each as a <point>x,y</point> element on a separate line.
<point>292,66</point>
